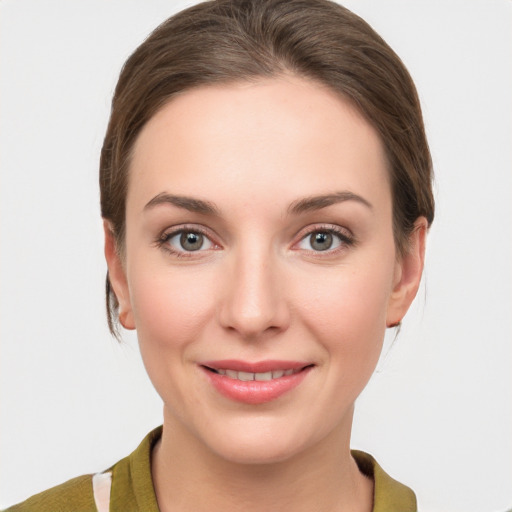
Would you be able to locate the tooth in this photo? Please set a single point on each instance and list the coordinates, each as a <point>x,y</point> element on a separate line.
<point>245,376</point>
<point>277,373</point>
<point>288,372</point>
<point>232,374</point>
<point>221,372</point>
<point>263,376</point>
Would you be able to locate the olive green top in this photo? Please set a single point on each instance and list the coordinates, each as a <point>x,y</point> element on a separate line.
<point>132,487</point>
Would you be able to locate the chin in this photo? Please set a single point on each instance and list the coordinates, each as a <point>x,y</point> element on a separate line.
<point>257,453</point>
<point>260,443</point>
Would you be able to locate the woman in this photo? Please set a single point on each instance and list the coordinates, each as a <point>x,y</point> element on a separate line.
<point>266,194</point>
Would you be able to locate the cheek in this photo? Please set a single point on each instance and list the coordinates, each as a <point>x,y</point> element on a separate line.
<point>354,299</point>
<point>170,306</point>
<point>171,309</point>
<point>348,316</point>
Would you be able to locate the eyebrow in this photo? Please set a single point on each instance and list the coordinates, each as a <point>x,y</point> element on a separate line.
<point>300,206</point>
<point>318,202</point>
<point>188,203</point>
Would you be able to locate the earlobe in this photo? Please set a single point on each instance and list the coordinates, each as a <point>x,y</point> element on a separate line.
<point>117,277</point>
<point>408,274</point>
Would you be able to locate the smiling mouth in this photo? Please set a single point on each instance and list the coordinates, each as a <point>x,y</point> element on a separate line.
<point>255,383</point>
<point>259,376</point>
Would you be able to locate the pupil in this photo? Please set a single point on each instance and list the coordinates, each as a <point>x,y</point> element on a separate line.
<point>191,241</point>
<point>321,241</point>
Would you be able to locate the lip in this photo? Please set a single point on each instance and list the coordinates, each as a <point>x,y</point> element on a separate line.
<point>255,392</point>
<point>256,367</point>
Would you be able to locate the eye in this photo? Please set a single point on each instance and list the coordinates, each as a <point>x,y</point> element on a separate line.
<point>322,240</point>
<point>188,241</point>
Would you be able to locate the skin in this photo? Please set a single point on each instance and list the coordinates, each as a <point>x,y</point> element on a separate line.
<point>259,290</point>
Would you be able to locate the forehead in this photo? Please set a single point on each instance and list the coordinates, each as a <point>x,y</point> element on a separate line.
<point>285,134</point>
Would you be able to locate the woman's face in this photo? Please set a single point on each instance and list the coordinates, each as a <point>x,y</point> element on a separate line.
<point>260,269</point>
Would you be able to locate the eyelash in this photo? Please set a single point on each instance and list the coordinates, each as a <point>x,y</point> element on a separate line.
<point>163,240</point>
<point>344,236</point>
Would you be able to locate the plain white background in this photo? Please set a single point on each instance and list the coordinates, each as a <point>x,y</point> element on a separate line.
<point>438,412</point>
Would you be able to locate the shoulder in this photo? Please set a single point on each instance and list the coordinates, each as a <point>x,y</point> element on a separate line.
<point>388,493</point>
<point>75,494</point>
<point>126,486</point>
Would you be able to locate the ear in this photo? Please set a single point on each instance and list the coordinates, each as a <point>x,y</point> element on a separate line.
<point>117,276</point>
<point>408,271</point>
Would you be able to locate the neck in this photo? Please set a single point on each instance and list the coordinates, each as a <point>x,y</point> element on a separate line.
<point>188,476</point>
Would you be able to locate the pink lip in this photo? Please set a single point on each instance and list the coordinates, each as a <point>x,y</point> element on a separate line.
<point>255,392</point>
<point>256,367</point>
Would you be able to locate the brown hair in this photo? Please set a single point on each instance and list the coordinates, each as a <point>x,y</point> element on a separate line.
<point>222,41</point>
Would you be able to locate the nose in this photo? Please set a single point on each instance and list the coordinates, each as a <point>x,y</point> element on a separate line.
<point>254,303</point>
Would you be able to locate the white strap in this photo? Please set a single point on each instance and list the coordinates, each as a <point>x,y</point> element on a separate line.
<point>101,483</point>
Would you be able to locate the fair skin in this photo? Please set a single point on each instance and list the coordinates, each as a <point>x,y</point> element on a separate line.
<point>254,270</point>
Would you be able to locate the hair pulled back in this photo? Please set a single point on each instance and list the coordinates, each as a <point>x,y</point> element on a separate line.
<point>222,41</point>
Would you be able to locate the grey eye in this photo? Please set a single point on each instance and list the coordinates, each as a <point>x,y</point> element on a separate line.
<point>191,241</point>
<point>321,241</point>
